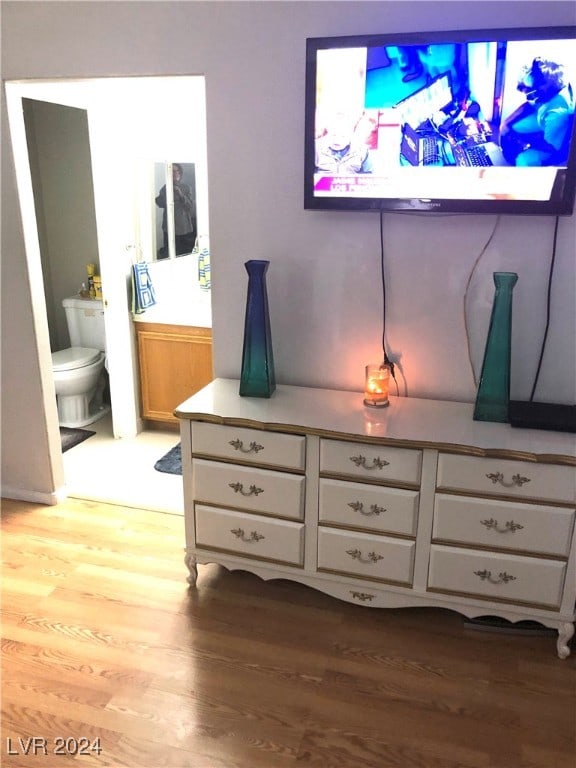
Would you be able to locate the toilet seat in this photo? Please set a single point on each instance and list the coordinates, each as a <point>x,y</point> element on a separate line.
<point>73,358</point>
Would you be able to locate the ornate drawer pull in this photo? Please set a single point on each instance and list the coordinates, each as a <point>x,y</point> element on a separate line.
<point>356,554</point>
<point>503,578</point>
<point>363,596</point>
<point>377,463</point>
<point>357,506</point>
<point>238,445</point>
<point>509,526</point>
<point>239,533</point>
<point>516,481</point>
<point>239,488</point>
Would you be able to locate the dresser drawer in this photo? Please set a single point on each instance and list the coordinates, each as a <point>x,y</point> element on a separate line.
<point>503,524</point>
<point>511,578</point>
<point>260,538</point>
<point>358,505</point>
<point>372,462</point>
<point>249,445</point>
<point>509,478</point>
<point>260,490</point>
<point>366,556</point>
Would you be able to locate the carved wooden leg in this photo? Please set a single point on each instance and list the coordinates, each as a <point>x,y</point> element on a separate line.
<point>565,632</point>
<point>190,561</point>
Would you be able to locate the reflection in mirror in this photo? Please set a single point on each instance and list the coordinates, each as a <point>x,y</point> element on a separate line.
<point>175,199</point>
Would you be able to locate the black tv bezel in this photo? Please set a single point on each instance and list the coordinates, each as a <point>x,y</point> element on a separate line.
<point>561,207</point>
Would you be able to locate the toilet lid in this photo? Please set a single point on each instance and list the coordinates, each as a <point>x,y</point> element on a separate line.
<point>73,357</point>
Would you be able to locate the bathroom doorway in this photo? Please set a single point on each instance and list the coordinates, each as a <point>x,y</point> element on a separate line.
<point>127,131</point>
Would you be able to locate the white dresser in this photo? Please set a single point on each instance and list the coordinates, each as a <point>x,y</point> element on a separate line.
<point>412,505</point>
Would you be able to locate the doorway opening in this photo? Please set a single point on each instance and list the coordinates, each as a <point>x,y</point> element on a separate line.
<point>128,130</point>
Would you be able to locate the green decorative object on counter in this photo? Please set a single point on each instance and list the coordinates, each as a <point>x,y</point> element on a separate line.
<point>493,394</point>
<point>257,378</point>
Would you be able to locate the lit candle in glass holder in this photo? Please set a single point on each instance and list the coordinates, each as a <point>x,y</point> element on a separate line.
<point>376,385</point>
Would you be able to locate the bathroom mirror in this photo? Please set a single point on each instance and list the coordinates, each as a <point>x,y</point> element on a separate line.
<point>176,221</point>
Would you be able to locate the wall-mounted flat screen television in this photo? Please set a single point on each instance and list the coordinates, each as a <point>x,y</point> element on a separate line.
<point>458,122</point>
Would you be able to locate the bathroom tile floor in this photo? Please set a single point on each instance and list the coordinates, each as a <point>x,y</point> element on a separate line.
<point>122,471</point>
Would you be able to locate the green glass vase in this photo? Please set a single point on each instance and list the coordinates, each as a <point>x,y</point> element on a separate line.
<point>257,378</point>
<point>493,394</point>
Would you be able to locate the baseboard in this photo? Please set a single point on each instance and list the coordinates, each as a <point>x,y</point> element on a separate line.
<point>35,497</point>
<point>552,416</point>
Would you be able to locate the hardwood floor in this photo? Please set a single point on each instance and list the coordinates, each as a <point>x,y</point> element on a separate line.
<point>106,653</point>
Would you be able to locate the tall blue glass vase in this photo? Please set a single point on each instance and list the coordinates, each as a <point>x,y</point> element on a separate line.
<point>257,378</point>
<point>493,394</point>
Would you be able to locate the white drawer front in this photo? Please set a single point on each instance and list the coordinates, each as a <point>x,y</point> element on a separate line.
<point>511,578</point>
<point>360,554</point>
<point>261,538</point>
<point>249,445</point>
<point>504,477</point>
<point>368,506</point>
<point>372,462</point>
<point>259,490</point>
<point>503,524</point>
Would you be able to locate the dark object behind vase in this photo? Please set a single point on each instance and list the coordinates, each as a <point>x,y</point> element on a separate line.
<point>552,416</point>
<point>257,378</point>
<point>493,396</point>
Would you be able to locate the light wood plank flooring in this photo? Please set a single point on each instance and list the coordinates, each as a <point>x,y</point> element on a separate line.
<point>105,647</point>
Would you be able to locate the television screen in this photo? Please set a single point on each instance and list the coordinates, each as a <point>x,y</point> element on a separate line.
<point>458,122</point>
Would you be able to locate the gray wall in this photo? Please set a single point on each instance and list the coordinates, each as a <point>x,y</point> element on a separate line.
<point>59,150</point>
<point>324,276</point>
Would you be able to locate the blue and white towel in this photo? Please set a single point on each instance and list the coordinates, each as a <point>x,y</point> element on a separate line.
<point>143,295</point>
<point>204,277</point>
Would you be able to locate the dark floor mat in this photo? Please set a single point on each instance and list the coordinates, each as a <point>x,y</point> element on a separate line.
<point>69,437</point>
<point>171,462</point>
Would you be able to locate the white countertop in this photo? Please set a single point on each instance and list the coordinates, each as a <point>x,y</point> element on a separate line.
<point>196,314</point>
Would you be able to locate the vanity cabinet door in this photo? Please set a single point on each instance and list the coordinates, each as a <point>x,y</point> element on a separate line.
<point>175,362</point>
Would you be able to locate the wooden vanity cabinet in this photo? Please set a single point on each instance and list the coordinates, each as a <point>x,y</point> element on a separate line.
<point>175,362</point>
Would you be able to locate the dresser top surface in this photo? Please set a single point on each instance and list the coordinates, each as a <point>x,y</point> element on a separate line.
<point>413,422</point>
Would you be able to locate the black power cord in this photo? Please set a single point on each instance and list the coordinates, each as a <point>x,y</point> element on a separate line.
<point>548,305</point>
<point>387,360</point>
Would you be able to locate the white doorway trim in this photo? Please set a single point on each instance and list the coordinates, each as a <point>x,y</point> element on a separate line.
<point>116,206</point>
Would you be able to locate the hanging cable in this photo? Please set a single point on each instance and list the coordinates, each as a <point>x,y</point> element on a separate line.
<point>470,276</point>
<point>548,305</point>
<point>386,359</point>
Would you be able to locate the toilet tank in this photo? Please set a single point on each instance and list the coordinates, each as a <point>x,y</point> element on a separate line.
<point>85,319</point>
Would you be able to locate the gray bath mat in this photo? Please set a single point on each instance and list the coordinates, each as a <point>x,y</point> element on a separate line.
<point>171,462</point>
<point>69,437</point>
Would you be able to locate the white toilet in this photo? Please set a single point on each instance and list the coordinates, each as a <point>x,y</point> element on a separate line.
<point>79,371</point>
